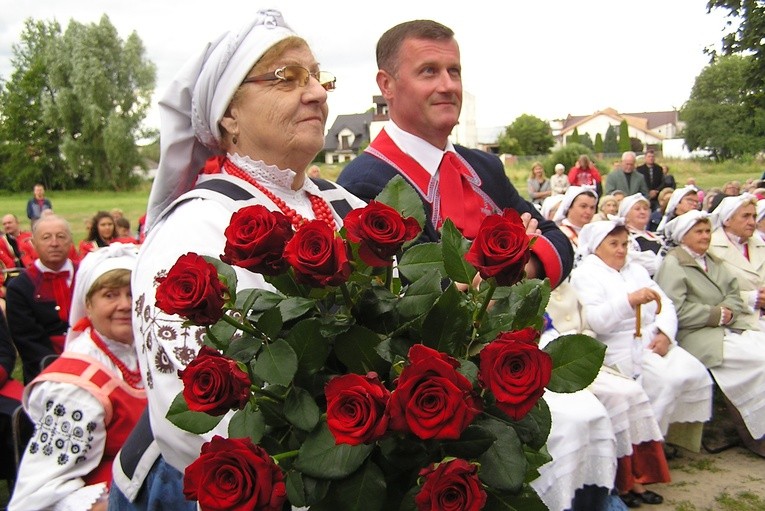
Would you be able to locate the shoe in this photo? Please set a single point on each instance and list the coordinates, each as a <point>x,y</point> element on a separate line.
<point>631,499</point>
<point>671,452</point>
<point>648,497</point>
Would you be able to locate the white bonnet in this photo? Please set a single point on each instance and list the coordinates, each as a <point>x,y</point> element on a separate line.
<point>593,234</point>
<point>680,225</point>
<point>568,198</point>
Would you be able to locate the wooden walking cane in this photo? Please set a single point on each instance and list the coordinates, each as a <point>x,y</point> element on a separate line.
<point>638,346</point>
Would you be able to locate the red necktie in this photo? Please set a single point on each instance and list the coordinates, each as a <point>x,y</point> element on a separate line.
<point>746,250</point>
<point>459,201</point>
<point>60,287</point>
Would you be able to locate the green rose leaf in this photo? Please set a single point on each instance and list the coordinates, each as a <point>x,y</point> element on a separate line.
<point>277,363</point>
<point>248,422</point>
<point>454,247</point>
<point>226,274</point>
<point>420,259</point>
<point>576,362</point>
<point>270,323</point>
<point>400,195</point>
<point>303,490</point>
<point>420,296</point>
<point>295,307</point>
<point>309,344</point>
<point>534,428</point>
<point>528,500</point>
<point>257,300</point>
<point>473,442</point>
<point>243,349</point>
<point>194,422</point>
<point>536,459</point>
<point>285,283</point>
<point>362,491</point>
<point>320,457</point>
<point>301,409</point>
<point>503,465</point>
<point>445,326</point>
<point>356,348</point>
<point>220,335</point>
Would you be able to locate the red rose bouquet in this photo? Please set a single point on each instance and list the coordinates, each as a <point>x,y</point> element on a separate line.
<point>365,377</point>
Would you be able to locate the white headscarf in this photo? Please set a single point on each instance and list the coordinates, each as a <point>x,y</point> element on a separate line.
<point>549,203</point>
<point>760,209</point>
<point>593,234</point>
<point>568,198</point>
<point>674,200</point>
<point>680,225</point>
<point>626,204</point>
<point>112,257</point>
<point>196,101</point>
<point>728,206</point>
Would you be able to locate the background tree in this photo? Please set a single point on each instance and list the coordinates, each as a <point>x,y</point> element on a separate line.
<point>94,91</point>
<point>532,134</point>
<point>508,144</point>
<point>717,115</point>
<point>624,137</point>
<point>574,138</point>
<point>568,155</point>
<point>611,143</point>
<point>586,140</point>
<point>598,147</point>
<point>636,145</point>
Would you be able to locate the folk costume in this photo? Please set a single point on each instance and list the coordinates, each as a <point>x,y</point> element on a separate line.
<point>678,386</point>
<point>83,406</point>
<point>646,248</point>
<point>38,304</point>
<point>700,285</point>
<point>484,189</point>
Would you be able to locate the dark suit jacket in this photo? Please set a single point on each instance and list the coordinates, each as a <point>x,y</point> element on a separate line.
<point>367,175</point>
<point>32,322</point>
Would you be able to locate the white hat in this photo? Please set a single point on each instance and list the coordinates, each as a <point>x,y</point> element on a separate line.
<point>568,198</point>
<point>112,257</point>
<point>680,225</point>
<point>674,200</point>
<point>593,234</point>
<point>760,209</point>
<point>549,203</point>
<point>626,204</point>
<point>729,205</point>
<point>196,101</point>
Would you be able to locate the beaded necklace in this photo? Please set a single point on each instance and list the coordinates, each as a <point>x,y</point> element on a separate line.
<point>319,206</point>
<point>132,378</point>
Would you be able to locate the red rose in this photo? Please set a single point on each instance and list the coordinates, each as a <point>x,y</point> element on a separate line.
<point>214,384</point>
<point>318,255</point>
<point>234,473</point>
<point>255,239</point>
<point>356,408</point>
<point>501,248</point>
<point>451,486</point>
<point>192,289</point>
<point>381,230</point>
<point>431,399</point>
<point>515,370</point>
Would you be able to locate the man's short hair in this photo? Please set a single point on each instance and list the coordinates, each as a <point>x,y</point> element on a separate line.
<point>50,218</point>
<point>390,43</point>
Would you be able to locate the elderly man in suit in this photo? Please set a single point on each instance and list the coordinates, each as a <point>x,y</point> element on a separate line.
<point>626,179</point>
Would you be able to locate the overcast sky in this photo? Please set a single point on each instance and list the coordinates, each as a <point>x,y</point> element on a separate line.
<point>546,58</point>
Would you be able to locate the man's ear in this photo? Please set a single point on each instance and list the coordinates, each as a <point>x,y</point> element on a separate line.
<point>386,83</point>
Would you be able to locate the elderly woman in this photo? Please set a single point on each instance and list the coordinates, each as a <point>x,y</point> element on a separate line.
<point>637,322</point>
<point>714,325</point>
<point>681,201</point>
<point>86,402</point>
<point>607,205</point>
<point>575,211</point>
<point>550,206</point>
<point>646,248</point>
<point>538,185</point>
<point>100,233</point>
<point>253,105</point>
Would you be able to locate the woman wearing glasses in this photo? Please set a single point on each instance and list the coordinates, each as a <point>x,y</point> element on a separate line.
<point>681,201</point>
<point>240,125</point>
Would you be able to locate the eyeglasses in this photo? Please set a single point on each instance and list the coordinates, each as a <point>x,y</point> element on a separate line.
<point>691,200</point>
<point>296,75</point>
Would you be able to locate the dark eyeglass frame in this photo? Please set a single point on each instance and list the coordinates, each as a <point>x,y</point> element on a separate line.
<point>299,75</point>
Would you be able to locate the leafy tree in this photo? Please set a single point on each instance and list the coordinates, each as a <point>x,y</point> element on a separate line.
<point>586,141</point>
<point>598,144</point>
<point>624,137</point>
<point>717,115</point>
<point>574,137</point>
<point>532,134</point>
<point>91,92</point>
<point>568,155</point>
<point>636,145</point>
<point>508,144</point>
<point>611,144</point>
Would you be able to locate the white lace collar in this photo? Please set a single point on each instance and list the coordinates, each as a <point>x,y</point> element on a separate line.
<point>272,176</point>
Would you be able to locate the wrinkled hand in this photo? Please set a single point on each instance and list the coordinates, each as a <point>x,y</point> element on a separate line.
<point>726,315</point>
<point>660,344</point>
<point>760,301</point>
<point>643,296</point>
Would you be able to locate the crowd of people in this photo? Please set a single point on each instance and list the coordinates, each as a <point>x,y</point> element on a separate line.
<point>676,291</point>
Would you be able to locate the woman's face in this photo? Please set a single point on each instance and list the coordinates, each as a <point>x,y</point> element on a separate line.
<point>613,250</point>
<point>742,222</point>
<point>610,207</point>
<point>638,216</point>
<point>279,122</point>
<point>687,203</point>
<point>582,210</point>
<point>538,172</point>
<point>698,238</point>
<point>106,228</point>
<point>109,309</point>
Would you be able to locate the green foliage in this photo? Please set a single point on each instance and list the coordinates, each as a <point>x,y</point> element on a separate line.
<point>574,137</point>
<point>624,137</point>
<point>568,155</point>
<point>527,135</point>
<point>636,145</point>
<point>718,115</point>
<point>598,148</point>
<point>75,103</point>
<point>611,143</point>
<point>586,141</point>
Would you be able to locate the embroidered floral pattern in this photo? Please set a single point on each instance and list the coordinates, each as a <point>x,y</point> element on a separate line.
<point>63,434</point>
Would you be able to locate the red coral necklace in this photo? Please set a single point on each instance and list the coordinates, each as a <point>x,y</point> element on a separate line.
<point>320,208</point>
<point>132,378</point>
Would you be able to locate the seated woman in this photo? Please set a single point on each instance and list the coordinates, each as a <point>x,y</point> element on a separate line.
<point>607,205</point>
<point>86,402</point>
<point>681,201</point>
<point>646,248</point>
<point>640,343</point>
<point>658,213</point>
<point>575,211</point>
<point>550,206</point>
<point>761,219</point>
<point>538,185</point>
<point>713,325</point>
<point>101,233</point>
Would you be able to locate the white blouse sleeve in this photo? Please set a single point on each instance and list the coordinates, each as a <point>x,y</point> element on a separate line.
<point>68,443</point>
